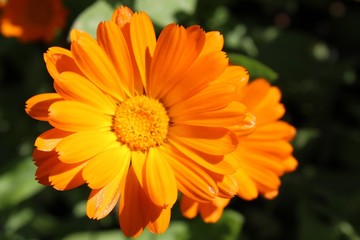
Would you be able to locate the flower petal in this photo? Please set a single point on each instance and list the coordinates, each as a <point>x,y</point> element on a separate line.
<point>102,201</point>
<point>214,42</point>
<point>192,180</point>
<point>72,86</point>
<point>75,116</point>
<point>263,177</point>
<point>290,164</point>
<point>235,75</point>
<point>66,176</point>
<point>44,162</point>
<point>131,216</point>
<point>143,40</point>
<point>247,188</point>
<point>48,140</point>
<point>176,50</point>
<point>189,207</point>
<point>263,101</point>
<point>138,164</point>
<point>233,114</point>
<point>160,183</point>
<point>199,103</point>
<point>37,106</point>
<point>205,69</point>
<point>122,15</point>
<point>161,222</point>
<point>216,164</point>
<point>279,148</point>
<point>258,158</point>
<point>82,146</point>
<point>211,212</point>
<point>273,131</point>
<point>60,60</point>
<point>95,64</point>
<point>105,166</point>
<point>112,41</point>
<point>228,186</point>
<point>214,141</point>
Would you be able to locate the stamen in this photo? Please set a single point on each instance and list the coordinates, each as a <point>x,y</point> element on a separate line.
<point>141,123</point>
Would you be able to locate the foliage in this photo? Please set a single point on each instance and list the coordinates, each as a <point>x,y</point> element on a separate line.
<point>308,48</point>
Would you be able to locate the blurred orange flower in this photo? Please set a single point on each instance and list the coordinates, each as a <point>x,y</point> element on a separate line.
<point>263,156</point>
<point>138,119</point>
<point>32,20</point>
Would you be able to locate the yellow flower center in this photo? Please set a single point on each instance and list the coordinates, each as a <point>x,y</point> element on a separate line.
<point>140,123</point>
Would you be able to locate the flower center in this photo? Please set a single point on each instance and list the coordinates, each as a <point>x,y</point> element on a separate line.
<point>140,123</point>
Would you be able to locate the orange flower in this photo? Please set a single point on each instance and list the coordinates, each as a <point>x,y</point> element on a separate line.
<point>263,156</point>
<point>32,20</point>
<point>138,119</point>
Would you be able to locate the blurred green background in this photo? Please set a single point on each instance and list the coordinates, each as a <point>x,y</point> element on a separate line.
<point>313,49</point>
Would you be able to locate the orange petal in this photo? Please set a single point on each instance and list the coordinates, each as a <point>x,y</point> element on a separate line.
<point>212,212</point>
<point>214,141</point>
<point>112,41</point>
<point>161,223</point>
<point>82,146</point>
<point>233,114</point>
<point>189,208</point>
<point>37,106</point>
<point>75,116</point>
<point>246,126</point>
<point>216,164</point>
<point>96,65</point>
<point>122,15</point>
<point>254,93</point>
<point>102,201</point>
<point>44,162</point>
<point>103,167</point>
<point>160,184</point>
<point>259,159</point>
<point>131,216</point>
<point>247,187</point>
<point>278,148</point>
<point>270,195</point>
<point>272,131</point>
<point>143,40</point>
<point>214,42</point>
<point>66,176</point>
<point>192,180</point>
<point>176,50</point>
<point>228,186</point>
<point>235,75</point>
<point>59,60</point>
<point>263,177</point>
<point>48,140</point>
<point>205,69</point>
<point>72,86</point>
<point>263,101</point>
<point>290,164</point>
<point>138,164</point>
<point>199,103</point>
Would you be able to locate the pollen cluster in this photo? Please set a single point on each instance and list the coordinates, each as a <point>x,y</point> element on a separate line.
<point>141,123</point>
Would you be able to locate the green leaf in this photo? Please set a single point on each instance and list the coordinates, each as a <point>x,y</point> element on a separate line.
<point>256,69</point>
<point>164,12</point>
<point>228,228</point>
<point>98,235</point>
<point>18,184</point>
<point>90,18</point>
<point>178,230</point>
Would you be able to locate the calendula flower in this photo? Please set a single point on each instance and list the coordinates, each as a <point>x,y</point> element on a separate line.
<point>263,155</point>
<point>32,20</point>
<point>138,119</point>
